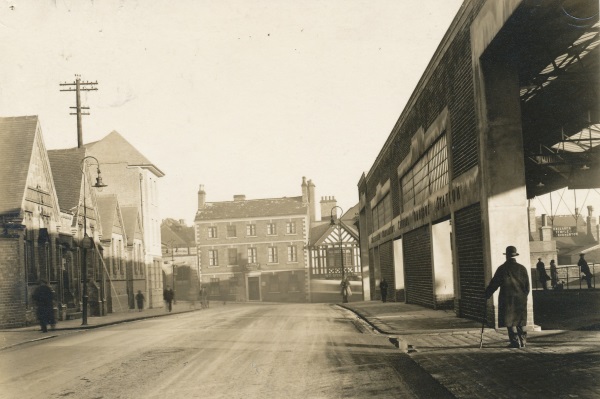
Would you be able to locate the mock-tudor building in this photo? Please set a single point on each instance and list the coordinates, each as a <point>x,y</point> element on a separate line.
<point>255,250</point>
<point>327,242</point>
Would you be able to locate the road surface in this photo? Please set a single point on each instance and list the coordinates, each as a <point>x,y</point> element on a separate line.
<point>234,351</point>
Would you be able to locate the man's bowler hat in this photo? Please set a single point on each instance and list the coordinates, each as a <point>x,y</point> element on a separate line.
<point>511,251</point>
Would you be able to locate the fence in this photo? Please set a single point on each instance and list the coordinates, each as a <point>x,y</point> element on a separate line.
<point>569,277</point>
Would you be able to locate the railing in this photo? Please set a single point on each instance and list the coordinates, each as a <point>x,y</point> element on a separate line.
<point>569,278</point>
<point>352,272</point>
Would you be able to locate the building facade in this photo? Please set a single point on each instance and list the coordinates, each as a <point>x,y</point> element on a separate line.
<point>448,191</point>
<point>333,245</point>
<point>134,179</point>
<point>255,250</point>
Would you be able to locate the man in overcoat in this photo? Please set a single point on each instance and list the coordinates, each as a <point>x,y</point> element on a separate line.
<point>542,275</point>
<point>585,270</point>
<point>44,301</point>
<point>513,281</point>
<point>168,296</point>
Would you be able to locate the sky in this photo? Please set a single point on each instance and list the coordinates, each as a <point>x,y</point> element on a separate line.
<point>242,96</point>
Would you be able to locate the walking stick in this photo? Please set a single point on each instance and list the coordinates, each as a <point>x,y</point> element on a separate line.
<point>483,319</point>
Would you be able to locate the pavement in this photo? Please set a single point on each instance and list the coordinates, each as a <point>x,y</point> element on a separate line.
<point>555,364</point>
<point>561,363</point>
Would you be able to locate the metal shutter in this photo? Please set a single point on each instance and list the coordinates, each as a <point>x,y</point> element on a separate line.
<point>418,267</point>
<point>469,247</point>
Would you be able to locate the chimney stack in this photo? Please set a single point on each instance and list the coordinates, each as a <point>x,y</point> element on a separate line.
<point>201,197</point>
<point>327,204</point>
<point>312,206</point>
<point>546,231</point>
<point>592,228</point>
<point>304,191</point>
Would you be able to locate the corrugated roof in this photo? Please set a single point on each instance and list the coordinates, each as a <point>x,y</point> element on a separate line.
<point>115,149</point>
<point>66,171</point>
<point>17,136</point>
<point>253,208</point>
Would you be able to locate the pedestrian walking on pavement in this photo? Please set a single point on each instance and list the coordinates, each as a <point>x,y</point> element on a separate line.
<point>168,296</point>
<point>139,299</point>
<point>512,279</point>
<point>585,270</point>
<point>542,275</point>
<point>383,287</point>
<point>553,274</point>
<point>43,297</point>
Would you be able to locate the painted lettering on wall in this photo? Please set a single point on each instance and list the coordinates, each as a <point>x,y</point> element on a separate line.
<point>444,201</point>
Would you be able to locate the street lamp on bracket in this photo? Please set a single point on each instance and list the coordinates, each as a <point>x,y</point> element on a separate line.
<point>344,284</point>
<point>87,241</point>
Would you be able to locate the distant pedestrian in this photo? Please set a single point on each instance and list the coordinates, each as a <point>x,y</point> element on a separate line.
<point>513,281</point>
<point>346,289</point>
<point>139,299</point>
<point>43,297</point>
<point>204,297</point>
<point>192,295</point>
<point>168,296</point>
<point>542,275</point>
<point>585,269</point>
<point>553,274</point>
<point>383,286</point>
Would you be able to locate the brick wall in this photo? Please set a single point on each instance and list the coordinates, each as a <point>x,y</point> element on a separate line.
<point>12,284</point>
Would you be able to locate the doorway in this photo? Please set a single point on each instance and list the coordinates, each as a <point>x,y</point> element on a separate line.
<point>254,288</point>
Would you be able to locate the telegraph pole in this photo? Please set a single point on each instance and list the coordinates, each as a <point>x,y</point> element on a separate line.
<point>79,87</point>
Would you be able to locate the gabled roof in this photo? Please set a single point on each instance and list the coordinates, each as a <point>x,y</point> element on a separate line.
<point>115,149</point>
<point>66,170</point>
<point>180,234</point>
<point>131,221</point>
<point>270,207</point>
<point>324,234</point>
<point>17,136</point>
<point>108,208</point>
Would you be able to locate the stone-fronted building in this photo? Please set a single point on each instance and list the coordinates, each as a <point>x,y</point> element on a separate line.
<point>255,250</point>
<point>135,180</point>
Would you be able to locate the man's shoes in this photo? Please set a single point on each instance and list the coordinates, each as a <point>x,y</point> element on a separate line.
<point>514,345</point>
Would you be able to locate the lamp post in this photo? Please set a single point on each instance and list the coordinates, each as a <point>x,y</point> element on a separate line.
<point>87,241</point>
<point>172,266</point>
<point>339,224</point>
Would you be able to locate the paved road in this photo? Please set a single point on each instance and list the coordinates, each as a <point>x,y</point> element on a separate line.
<point>235,351</point>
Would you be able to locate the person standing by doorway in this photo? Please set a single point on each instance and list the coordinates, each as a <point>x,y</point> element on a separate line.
<point>585,269</point>
<point>168,296</point>
<point>512,279</point>
<point>139,299</point>
<point>542,275</point>
<point>383,287</point>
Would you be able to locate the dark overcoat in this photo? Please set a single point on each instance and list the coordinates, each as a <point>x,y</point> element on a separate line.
<point>513,281</point>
